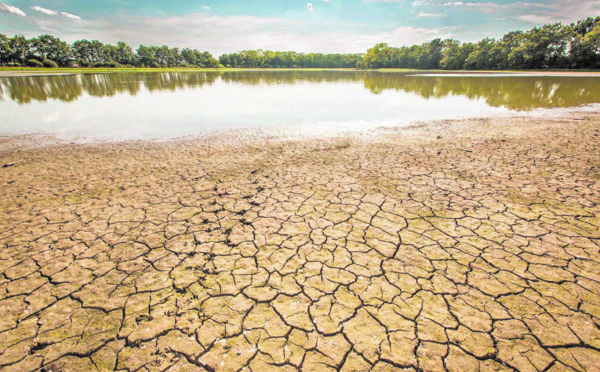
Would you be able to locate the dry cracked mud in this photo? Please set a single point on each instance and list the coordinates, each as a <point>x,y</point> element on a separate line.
<point>430,248</point>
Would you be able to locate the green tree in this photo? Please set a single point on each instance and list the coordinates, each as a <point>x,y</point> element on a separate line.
<point>584,51</point>
<point>81,50</point>
<point>145,55</point>
<point>542,48</point>
<point>174,58</point>
<point>455,55</point>
<point>487,55</point>
<point>52,48</point>
<point>96,51</point>
<point>585,26</point>
<point>21,47</point>
<point>124,54</point>
<point>225,60</point>
<point>5,50</point>
<point>432,54</point>
<point>109,53</point>
<point>379,56</point>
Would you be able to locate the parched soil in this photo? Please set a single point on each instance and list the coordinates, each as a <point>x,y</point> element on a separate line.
<point>469,246</point>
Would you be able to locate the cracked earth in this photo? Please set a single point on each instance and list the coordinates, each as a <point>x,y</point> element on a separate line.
<point>465,250</point>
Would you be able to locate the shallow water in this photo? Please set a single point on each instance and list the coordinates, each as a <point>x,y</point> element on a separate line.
<point>166,105</point>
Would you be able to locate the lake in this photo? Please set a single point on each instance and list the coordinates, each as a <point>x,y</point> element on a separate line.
<point>164,105</point>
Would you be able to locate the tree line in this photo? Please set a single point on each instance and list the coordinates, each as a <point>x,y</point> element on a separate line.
<point>50,51</point>
<point>552,46</point>
<point>271,59</point>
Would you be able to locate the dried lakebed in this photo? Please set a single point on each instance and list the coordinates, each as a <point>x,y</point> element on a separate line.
<point>437,248</point>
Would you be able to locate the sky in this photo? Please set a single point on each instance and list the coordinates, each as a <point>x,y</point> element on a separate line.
<point>324,26</point>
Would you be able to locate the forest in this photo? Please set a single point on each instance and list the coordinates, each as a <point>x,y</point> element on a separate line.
<point>552,46</point>
<point>50,51</point>
<point>268,59</point>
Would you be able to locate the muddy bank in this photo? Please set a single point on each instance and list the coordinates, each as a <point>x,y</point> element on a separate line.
<point>443,246</point>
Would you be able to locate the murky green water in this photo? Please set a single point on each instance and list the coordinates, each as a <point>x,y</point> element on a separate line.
<point>173,104</point>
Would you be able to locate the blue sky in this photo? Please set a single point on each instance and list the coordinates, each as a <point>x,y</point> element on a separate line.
<point>223,26</point>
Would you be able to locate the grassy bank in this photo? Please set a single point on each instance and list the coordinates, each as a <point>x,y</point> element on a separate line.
<point>166,69</point>
<point>16,71</point>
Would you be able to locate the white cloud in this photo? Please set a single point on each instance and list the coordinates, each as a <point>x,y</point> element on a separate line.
<point>309,6</point>
<point>565,11</point>
<point>429,15</point>
<point>44,10</point>
<point>69,15</point>
<point>206,7</point>
<point>11,10</point>
<point>227,34</point>
<point>487,7</point>
<point>406,35</point>
<point>326,1</point>
<point>547,11</point>
<point>491,7</point>
<point>54,12</point>
<point>536,19</point>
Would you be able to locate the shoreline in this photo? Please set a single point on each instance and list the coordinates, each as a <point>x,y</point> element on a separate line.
<point>15,72</point>
<point>449,244</point>
<point>416,128</point>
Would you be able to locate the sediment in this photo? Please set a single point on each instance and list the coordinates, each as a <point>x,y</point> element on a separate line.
<point>447,246</point>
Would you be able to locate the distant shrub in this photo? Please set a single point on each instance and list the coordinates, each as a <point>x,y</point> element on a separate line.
<point>48,63</point>
<point>84,63</point>
<point>34,63</point>
<point>154,65</point>
<point>107,64</point>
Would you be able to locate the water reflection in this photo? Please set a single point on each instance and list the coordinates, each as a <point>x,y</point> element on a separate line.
<point>28,89</point>
<point>66,88</point>
<point>515,93</point>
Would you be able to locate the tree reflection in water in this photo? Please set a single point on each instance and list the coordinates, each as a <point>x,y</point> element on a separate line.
<point>512,92</point>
